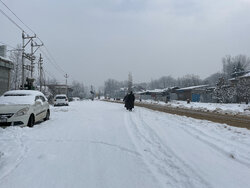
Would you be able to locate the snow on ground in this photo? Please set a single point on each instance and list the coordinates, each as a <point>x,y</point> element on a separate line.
<point>242,109</point>
<point>101,145</point>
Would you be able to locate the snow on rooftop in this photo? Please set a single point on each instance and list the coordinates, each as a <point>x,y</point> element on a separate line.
<point>246,75</point>
<point>152,91</point>
<point>5,59</point>
<point>192,87</point>
<point>23,92</point>
<point>60,95</point>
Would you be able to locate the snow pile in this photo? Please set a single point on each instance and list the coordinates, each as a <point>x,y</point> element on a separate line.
<point>234,109</point>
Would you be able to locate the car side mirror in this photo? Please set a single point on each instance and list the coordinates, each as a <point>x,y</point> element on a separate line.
<point>38,102</point>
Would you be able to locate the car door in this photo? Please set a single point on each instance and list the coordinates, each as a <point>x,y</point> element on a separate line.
<point>44,107</point>
<point>38,108</point>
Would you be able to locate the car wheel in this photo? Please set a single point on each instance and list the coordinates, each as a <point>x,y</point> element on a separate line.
<point>47,116</point>
<point>31,121</point>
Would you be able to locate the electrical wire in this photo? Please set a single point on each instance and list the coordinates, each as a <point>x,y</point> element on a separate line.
<point>53,61</point>
<point>17,17</point>
<point>11,20</point>
<point>49,74</point>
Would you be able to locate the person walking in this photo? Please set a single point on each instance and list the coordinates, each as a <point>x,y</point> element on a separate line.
<point>130,101</point>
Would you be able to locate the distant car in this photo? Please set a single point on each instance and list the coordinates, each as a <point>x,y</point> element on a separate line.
<point>23,108</point>
<point>76,99</point>
<point>61,100</point>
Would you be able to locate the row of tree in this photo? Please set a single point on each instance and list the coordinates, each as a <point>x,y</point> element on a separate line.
<point>232,67</point>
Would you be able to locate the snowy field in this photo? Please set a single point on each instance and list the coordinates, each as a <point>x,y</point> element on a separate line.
<point>234,109</point>
<point>95,144</point>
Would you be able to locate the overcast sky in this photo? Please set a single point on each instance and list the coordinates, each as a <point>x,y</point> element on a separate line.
<point>94,40</point>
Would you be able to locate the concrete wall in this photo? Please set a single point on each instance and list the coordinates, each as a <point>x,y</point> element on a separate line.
<point>4,79</point>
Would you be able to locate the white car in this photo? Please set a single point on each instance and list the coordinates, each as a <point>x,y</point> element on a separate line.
<point>23,108</point>
<point>61,100</point>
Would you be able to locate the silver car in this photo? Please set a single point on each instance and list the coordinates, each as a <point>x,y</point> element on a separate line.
<point>23,108</point>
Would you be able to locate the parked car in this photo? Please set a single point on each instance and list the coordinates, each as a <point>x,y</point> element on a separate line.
<point>23,108</point>
<point>61,100</point>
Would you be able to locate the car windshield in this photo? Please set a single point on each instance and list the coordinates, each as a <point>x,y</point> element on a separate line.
<point>8,95</point>
<point>61,97</point>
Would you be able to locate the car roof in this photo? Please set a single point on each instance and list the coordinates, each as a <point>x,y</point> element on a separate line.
<point>24,92</point>
<point>61,95</point>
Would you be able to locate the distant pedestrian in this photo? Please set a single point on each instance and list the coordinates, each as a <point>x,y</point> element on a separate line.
<point>130,101</point>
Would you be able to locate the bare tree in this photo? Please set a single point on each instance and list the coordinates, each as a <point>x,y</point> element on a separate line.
<point>235,66</point>
<point>213,79</point>
<point>110,87</point>
<point>189,80</point>
<point>78,89</point>
<point>16,74</point>
<point>167,81</point>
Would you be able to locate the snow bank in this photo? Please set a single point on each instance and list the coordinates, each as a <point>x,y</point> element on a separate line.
<point>234,109</point>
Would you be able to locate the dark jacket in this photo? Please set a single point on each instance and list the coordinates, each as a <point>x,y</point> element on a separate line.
<point>130,101</point>
<point>125,100</point>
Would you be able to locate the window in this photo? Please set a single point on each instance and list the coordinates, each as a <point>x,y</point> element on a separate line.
<point>42,98</point>
<point>60,97</point>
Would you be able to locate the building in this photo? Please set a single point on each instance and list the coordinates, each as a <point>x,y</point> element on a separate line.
<point>165,94</point>
<point>245,76</point>
<point>5,70</point>
<point>193,93</point>
<point>57,89</point>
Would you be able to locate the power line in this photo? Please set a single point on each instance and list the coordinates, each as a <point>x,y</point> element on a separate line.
<point>11,20</point>
<point>52,62</point>
<point>17,16</point>
<point>49,74</point>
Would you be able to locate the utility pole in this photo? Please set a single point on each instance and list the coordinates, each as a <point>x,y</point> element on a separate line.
<point>66,76</point>
<point>29,56</point>
<point>32,55</point>
<point>25,55</point>
<point>40,62</point>
<point>23,60</point>
<point>32,59</point>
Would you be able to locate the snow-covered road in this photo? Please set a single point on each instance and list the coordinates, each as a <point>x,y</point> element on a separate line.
<point>96,144</point>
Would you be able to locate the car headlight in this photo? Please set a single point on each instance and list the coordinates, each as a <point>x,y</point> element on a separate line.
<point>22,112</point>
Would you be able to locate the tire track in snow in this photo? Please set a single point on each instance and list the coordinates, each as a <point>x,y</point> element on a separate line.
<point>217,143</point>
<point>210,141</point>
<point>162,162</point>
<point>118,147</point>
<point>23,149</point>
